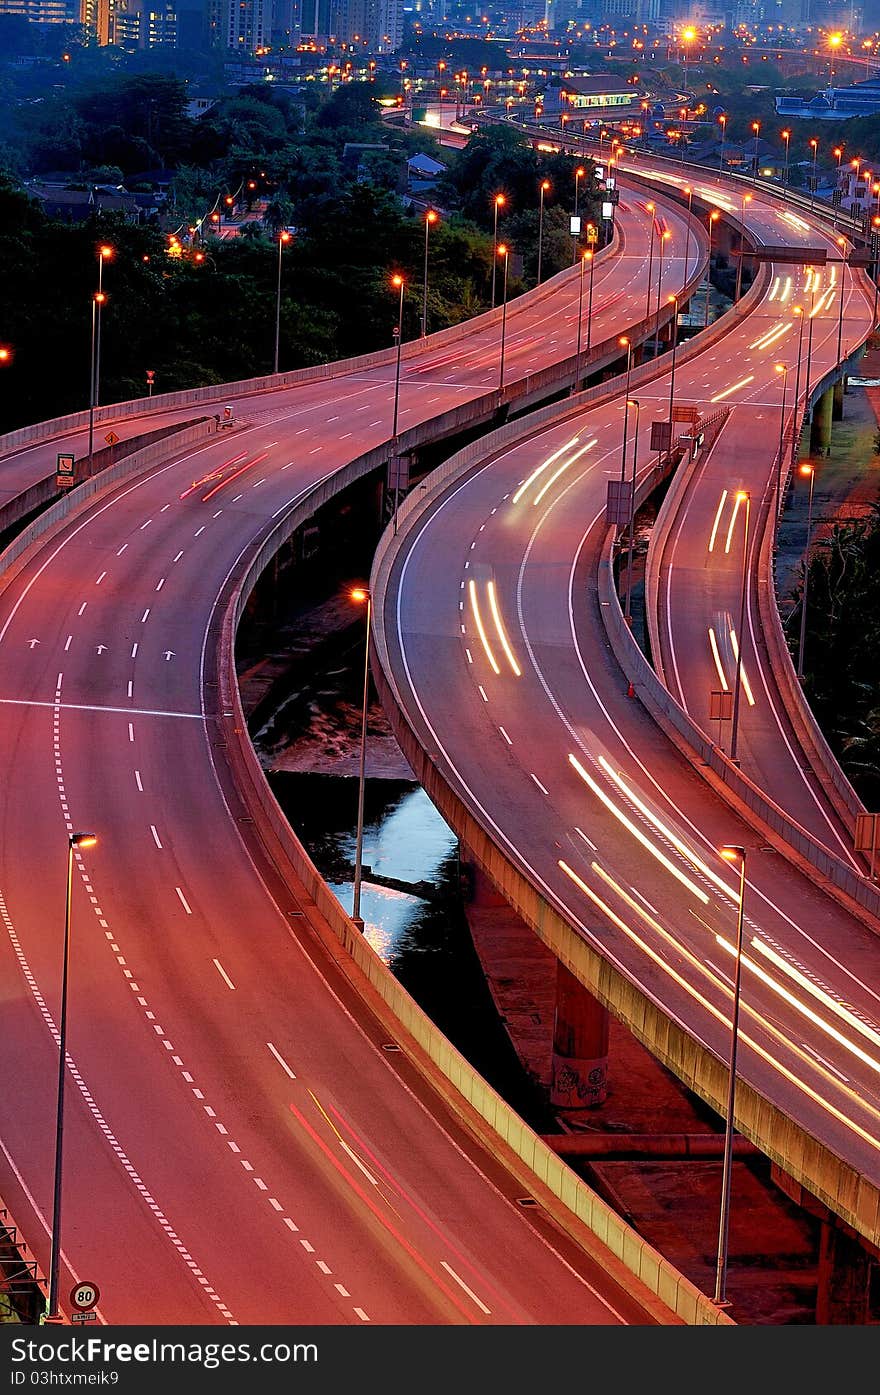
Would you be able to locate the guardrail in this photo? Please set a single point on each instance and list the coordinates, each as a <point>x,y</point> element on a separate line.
<point>249,387</point>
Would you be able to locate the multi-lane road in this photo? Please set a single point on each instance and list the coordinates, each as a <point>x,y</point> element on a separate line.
<point>498,651</point>
<point>239,1148</point>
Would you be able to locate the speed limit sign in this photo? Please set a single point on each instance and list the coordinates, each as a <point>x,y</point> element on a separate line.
<point>84,1295</point>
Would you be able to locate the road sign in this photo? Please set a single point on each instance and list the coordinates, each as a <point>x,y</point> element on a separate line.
<point>868,836</point>
<point>574,224</point>
<point>150,375</point>
<point>686,414</point>
<point>720,705</point>
<point>398,473</point>
<point>111,438</point>
<point>84,1295</point>
<point>800,256</point>
<point>64,471</point>
<point>592,233</point>
<point>618,502</point>
<point>661,435</point>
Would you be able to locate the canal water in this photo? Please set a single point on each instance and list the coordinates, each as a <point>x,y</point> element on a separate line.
<point>425,942</point>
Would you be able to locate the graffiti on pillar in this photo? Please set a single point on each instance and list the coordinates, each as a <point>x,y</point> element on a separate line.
<point>578,1084</point>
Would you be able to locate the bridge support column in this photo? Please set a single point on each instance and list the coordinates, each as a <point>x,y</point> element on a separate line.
<point>839,390</point>
<point>580,1046</point>
<point>846,1280</point>
<point>820,428</point>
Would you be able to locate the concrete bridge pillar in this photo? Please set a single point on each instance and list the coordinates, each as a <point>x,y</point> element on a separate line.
<point>844,1291</point>
<point>839,390</point>
<point>820,428</point>
<point>580,1046</point>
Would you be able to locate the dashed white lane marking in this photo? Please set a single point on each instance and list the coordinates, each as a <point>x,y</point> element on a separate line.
<point>146,525</point>
<point>161,583</point>
<point>131,731</point>
<point>217,514</point>
<point>178,557</point>
<point>542,788</point>
<point>200,530</point>
<point>224,975</point>
<point>134,650</point>
<point>362,1315</point>
<point>144,616</point>
<point>122,549</point>
<point>280,1059</point>
<point>164,508</point>
<point>68,644</point>
<point>82,608</point>
<point>138,781</point>
<point>461,1283</point>
<point>183,900</point>
<point>100,578</point>
<point>482,692</point>
<point>506,737</point>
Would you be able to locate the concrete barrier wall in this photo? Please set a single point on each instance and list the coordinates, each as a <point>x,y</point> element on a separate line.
<point>75,421</point>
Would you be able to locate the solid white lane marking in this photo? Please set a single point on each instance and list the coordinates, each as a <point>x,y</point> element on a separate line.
<point>280,1059</point>
<point>224,975</point>
<point>98,707</point>
<point>183,900</point>
<point>469,1291</point>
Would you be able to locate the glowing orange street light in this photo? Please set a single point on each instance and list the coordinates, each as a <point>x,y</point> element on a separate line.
<point>503,252</point>
<point>5,353</point>
<point>283,239</point>
<point>431,217</point>
<point>730,853</point>
<point>786,136</point>
<point>499,201</point>
<point>545,186</point>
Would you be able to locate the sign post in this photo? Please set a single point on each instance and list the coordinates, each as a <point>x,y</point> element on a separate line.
<point>64,465</point>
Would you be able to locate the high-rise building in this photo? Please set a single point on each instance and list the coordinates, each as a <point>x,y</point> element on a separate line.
<point>42,11</point>
<point>246,24</point>
<point>137,24</point>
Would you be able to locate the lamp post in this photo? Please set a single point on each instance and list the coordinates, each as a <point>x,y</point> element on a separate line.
<point>722,122</point>
<point>687,245</point>
<point>627,614</point>
<point>814,146</point>
<point>664,237</point>
<point>578,176</point>
<point>361,594</point>
<point>673,300</point>
<point>742,496</point>
<point>783,369</point>
<point>104,253</point>
<point>713,218</point>
<point>545,185</point>
<point>283,239</point>
<point>650,208</point>
<point>431,217</point>
<point>841,242</point>
<point>805,470</point>
<point>811,317</point>
<point>799,312</point>
<point>398,283</point>
<point>625,343</point>
<point>746,198</point>
<point>577,360</point>
<point>97,301</point>
<point>786,136</point>
<point>499,201</point>
<point>730,853</point>
<point>756,127</point>
<point>504,253</point>
<point>591,257</point>
<point>74,841</point>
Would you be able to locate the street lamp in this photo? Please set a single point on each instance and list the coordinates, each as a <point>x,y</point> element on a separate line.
<point>746,198</point>
<point>841,242</point>
<point>756,127</point>
<point>361,594</point>
<point>545,185</point>
<point>786,136</point>
<point>673,301</point>
<point>74,841</point>
<point>625,343</point>
<point>722,122</point>
<point>578,176</point>
<point>627,614</point>
<point>283,239</point>
<point>398,283</point>
<point>431,217</point>
<point>805,469</point>
<point>687,246</point>
<point>783,369</point>
<point>104,254</point>
<point>741,496</point>
<point>499,201</point>
<point>664,237</point>
<point>713,218</point>
<point>730,853</point>
<point>97,301</point>
<point>504,252</point>
<point>814,146</point>
<point>577,361</point>
<point>591,257</point>
<point>799,312</point>
<point>650,209</point>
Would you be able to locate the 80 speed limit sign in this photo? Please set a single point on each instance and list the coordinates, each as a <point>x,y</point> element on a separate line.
<point>84,1295</point>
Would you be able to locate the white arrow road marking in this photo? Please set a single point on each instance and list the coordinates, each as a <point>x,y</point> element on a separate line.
<point>169,654</point>
<point>32,643</point>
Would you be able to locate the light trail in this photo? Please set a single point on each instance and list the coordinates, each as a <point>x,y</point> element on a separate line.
<point>478,621</point>
<point>502,634</point>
